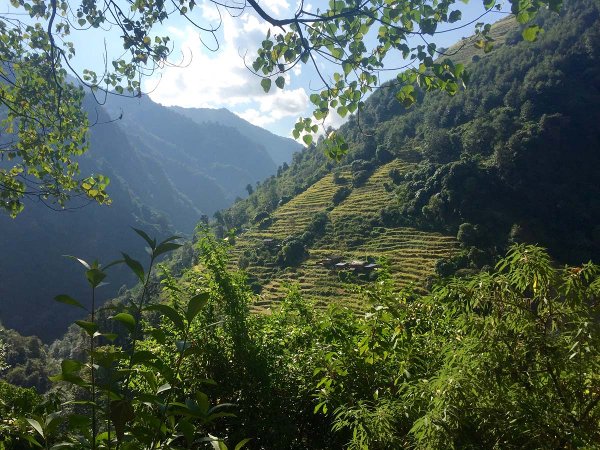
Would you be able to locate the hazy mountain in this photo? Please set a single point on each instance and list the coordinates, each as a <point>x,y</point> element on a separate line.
<point>166,171</point>
<point>279,148</point>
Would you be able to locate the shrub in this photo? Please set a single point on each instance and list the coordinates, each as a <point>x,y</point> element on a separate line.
<point>340,195</point>
<point>338,178</point>
<point>396,176</point>
<point>469,235</point>
<point>359,178</point>
<point>292,253</point>
<point>383,155</point>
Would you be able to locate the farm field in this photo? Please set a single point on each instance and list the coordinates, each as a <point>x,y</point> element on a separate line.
<point>409,254</point>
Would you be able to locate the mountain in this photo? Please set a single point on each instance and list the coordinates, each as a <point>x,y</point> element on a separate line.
<point>279,148</point>
<point>190,151</point>
<point>445,186</point>
<point>166,172</point>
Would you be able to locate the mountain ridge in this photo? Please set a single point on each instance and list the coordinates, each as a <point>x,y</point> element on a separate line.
<point>278,147</point>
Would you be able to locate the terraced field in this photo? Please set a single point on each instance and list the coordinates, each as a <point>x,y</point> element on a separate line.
<point>369,198</point>
<point>464,50</point>
<point>296,214</point>
<point>411,254</point>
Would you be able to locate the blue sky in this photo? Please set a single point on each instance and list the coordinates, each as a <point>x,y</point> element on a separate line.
<point>203,76</point>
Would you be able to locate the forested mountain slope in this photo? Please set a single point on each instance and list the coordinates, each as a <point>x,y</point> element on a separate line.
<point>280,149</point>
<point>512,158</point>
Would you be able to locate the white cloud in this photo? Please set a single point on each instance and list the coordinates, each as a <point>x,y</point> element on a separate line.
<point>220,79</point>
<point>334,120</point>
<point>276,6</point>
<point>272,108</point>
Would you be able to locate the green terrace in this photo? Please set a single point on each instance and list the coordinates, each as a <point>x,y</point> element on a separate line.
<point>409,254</point>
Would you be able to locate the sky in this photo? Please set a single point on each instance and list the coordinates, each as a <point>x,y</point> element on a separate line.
<point>212,73</point>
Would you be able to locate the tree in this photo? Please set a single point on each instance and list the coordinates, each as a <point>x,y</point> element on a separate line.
<point>3,365</point>
<point>44,127</point>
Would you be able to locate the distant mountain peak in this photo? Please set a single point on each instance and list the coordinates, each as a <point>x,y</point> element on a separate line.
<point>279,148</point>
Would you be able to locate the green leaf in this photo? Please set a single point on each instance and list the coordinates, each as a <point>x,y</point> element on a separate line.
<point>531,33</point>
<point>95,276</point>
<point>113,263</point>
<point>135,266</point>
<point>165,247</point>
<point>110,336</point>
<point>68,301</point>
<point>165,387</point>
<point>406,95</point>
<point>79,421</point>
<point>170,313</point>
<point>151,242</point>
<point>347,68</point>
<point>142,356</point>
<point>242,443</point>
<point>127,320</point>
<point>69,378</point>
<point>216,443</point>
<point>342,111</point>
<point>52,421</point>
<point>69,366</point>
<point>81,261</point>
<point>182,346</point>
<point>307,138</point>
<point>455,16</point>
<point>266,84</point>
<point>36,426</point>
<point>89,327</point>
<point>196,303</point>
<point>170,238</point>
<point>187,429</point>
<point>280,82</point>
<point>121,412</point>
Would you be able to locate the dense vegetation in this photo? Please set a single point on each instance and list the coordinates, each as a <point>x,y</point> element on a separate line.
<point>505,359</point>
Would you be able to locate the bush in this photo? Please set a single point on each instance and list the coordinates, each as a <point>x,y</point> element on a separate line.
<point>396,176</point>
<point>340,195</point>
<point>359,178</point>
<point>292,253</point>
<point>383,155</point>
<point>259,217</point>
<point>469,235</point>
<point>338,178</point>
<point>265,223</point>
<point>359,165</point>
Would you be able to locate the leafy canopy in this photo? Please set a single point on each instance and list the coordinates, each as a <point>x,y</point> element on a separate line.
<point>44,127</point>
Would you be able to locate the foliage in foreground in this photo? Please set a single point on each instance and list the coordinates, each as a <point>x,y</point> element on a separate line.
<point>122,395</point>
<point>507,359</point>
